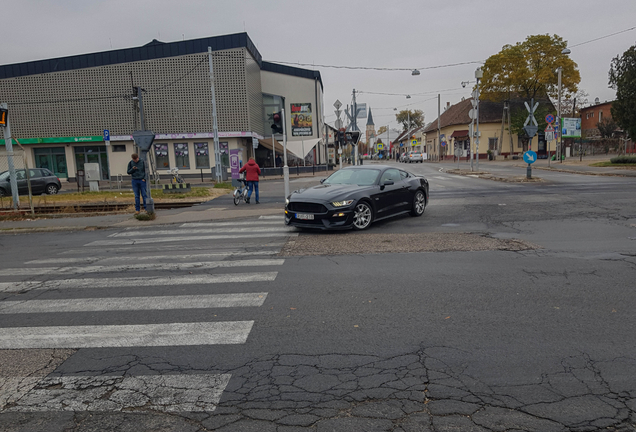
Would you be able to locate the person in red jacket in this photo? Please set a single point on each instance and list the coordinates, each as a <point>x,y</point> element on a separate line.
<point>252,171</point>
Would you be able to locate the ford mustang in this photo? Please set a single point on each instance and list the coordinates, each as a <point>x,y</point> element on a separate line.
<point>354,197</point>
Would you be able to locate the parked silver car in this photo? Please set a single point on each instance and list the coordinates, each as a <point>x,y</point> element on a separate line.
<point>415,156</point>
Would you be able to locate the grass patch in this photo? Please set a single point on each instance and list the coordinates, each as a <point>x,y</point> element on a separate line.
<point>223,185</point>
<point>613,165</point>
<point>146,216</point>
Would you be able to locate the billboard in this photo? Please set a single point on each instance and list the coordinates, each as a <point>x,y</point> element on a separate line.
<point>571,127</point>
<point>301,122</point>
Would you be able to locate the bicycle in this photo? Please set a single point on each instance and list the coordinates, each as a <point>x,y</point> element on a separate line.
<point>240,193</point>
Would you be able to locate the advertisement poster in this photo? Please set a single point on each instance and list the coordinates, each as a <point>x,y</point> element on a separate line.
<point>235,164</point>
<point>571,127</point>
<point>301,119</point>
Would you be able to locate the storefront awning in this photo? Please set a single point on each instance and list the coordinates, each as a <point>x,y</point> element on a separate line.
<point>459,134</point>
<point>267,143</point>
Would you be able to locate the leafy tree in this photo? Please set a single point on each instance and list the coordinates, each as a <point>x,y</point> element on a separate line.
<point>416,117</point>
<point>607,127</point>
<point>622,78</point>
<point>382,130</point>
<point>528,69</point>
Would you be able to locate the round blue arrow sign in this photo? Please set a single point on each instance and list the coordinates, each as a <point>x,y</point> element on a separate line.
<point>530,157</point>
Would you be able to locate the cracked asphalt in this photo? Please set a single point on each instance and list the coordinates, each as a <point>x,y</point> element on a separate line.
<point>506,307</point>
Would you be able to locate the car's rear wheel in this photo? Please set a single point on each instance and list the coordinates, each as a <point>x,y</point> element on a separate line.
<point>419,204</point>
<point>362,216</point>
<point>51,189</point>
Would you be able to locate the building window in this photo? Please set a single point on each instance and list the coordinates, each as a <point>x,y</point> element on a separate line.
<point>181,156</point>
<point>600,116</point>
<point>492,144</point>
<point>119,148</point>
<point>202,156</point>
<point>161,156</point>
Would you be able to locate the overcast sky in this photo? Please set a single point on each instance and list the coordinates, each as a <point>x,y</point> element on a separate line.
<point>366,33</point>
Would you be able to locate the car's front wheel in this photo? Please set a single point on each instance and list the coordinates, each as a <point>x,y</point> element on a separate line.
<point>419,204</point>
<point>362,216</point>
<point>51,189</point>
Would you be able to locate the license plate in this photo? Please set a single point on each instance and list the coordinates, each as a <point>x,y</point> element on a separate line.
<point>305,216</point>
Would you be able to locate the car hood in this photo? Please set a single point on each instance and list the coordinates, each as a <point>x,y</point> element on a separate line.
<point>327,192</point>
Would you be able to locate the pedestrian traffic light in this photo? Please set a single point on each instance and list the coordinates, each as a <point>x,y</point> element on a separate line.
<point>4,116</point>
<point>341,137</point>
<point>277,123</point>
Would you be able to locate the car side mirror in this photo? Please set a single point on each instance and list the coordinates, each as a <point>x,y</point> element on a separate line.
<point>386,183</point>
<point>322,181</point>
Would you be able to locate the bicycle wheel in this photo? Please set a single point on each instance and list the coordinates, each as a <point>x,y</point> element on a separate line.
<point>237,197</point>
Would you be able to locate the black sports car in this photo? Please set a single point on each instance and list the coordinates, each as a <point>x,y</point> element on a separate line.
<point>354,197</point>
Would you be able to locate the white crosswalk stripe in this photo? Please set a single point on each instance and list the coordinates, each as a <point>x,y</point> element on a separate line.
<point>236,253</point>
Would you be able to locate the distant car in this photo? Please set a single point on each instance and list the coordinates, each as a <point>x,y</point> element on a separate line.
<point>42,181</point>
<point>403,157</point>
<point>354,197</point>
<point>415,157</point>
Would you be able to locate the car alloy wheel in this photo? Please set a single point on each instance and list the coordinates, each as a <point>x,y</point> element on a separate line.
<point>362,216</point>
<point>419,204</point>
<point>51,189</point>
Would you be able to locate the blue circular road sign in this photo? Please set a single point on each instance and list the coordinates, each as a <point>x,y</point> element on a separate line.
<point>530,157</point>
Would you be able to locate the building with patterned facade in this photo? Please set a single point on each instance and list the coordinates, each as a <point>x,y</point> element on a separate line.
<point>60,107</point>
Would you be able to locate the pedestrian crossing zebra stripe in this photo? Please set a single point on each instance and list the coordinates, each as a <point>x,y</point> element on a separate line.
<point>251,236</point>
<point>269,243</point>
<point>107,393</point>
<point>141,267</point>
<point>134,303</point>
<point>152,281</point>
<point>172,257</point>
<point>184,231</point>
<point>280,217</point>
<point>228,224</point>
<point>120,336</point>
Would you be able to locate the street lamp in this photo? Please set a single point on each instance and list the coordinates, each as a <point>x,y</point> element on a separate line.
<point>565,51</point>
<point>478,75</point>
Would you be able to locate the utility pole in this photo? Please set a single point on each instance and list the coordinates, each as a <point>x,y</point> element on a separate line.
<point>150,204</point>
<point>478,75</point>
<point>355,125</point>
<point>560,140</point>
<point>8,144</point>
<point>439,114</point>
<point>215,127</point>
<point>285,166</point>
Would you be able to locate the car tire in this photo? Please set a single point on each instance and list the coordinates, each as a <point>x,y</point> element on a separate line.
<point>362,216</point>
<point>51,189</point>
<point>3,193</point>
<point>419,204</point>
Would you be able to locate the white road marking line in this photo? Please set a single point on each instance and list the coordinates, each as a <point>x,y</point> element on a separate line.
<point>165,393</point>
<point>118,336</point>
<point>272,217</point>
<point>190,247</point>
<point>182,231</point>
<point>134,303</point>
<point>441,178</point>
<point>187,239</point>
<point>142,267</point>
<point>230,224</point>
<point>93,259</point>
<point>138,281</point>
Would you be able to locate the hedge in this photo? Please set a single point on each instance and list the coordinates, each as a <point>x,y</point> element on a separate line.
<point>623,160</point>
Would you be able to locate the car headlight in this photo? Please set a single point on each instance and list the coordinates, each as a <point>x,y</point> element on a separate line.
<point>286,201</point>
<point>341,203</point>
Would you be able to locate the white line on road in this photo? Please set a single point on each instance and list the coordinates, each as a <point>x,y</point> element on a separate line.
<point>116,336</point>
<point>231,224</point>
<point>188,239</point>
<point>152,281</point>
<point>164,393</point>
<point>171,257</point>
<point>272,217</point>
<point>141,267</point>
<point>134,303</point>
<point>182,231</point>
<point>190,247</point>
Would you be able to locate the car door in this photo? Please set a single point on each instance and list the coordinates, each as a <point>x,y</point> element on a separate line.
<point>37,181</point>
<point>21,180</point>
<point>387,200</point>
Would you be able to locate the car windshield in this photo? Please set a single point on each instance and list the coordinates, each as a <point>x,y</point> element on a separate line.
<point>351,176</point>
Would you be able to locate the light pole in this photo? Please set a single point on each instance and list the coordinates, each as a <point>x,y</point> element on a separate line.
<point>478,75</point>
<point>565,51</point>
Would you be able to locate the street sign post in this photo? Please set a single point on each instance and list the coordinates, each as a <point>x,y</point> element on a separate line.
<point>106,137</point>
<point>529,157</point>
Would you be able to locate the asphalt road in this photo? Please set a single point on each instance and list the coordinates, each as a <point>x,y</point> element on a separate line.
<point>515,313</point>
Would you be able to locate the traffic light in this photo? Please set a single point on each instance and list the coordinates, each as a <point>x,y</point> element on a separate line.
<point>341,137</point>
<point>277,125</point>
<point>4,116</point>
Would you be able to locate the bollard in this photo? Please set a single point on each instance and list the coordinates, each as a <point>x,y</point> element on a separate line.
<point>529,172</point>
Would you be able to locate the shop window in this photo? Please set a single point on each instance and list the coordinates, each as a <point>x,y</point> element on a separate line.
<point>161,156</point>
<point>181,156</point>
<point>202,155</point>
<point>119,148</point>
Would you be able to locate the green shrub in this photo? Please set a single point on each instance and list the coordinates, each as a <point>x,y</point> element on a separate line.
<point>224,185</point>
<point>623,160</point>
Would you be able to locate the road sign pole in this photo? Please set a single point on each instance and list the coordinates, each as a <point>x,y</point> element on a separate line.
<point>285,166</point>
<point>8,143</point>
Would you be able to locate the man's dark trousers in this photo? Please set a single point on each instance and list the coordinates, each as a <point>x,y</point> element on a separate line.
<point>139,185</point>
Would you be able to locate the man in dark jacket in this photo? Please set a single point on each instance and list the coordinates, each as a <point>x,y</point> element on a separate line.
<point>137,170</point>
<point>252,171</point>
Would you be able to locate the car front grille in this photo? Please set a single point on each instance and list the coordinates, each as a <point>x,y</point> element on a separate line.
<point>306,207</point>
